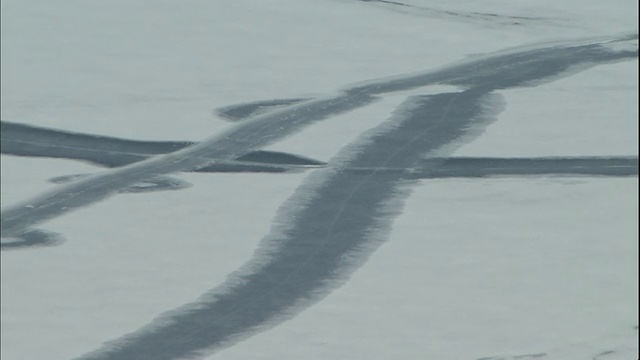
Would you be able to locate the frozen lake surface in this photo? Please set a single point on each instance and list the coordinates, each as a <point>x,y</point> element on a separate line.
<point>350,179</point>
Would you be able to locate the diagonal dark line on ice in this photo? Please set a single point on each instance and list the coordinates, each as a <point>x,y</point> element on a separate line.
<point>306,258</point>
<point>520,67</point>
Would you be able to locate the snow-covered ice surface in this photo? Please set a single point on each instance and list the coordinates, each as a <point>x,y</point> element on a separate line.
<point>369,257</point>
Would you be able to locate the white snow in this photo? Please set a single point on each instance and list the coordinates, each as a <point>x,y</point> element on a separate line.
<point>474,268</point>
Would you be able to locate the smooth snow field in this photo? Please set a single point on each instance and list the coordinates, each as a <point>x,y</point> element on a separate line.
<point>319,179</point>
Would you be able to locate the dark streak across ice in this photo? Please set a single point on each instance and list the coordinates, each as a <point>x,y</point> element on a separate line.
<point>527,67</point>
<point>485,167</point>
<point>338,217</point>
<point>27,140</point>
